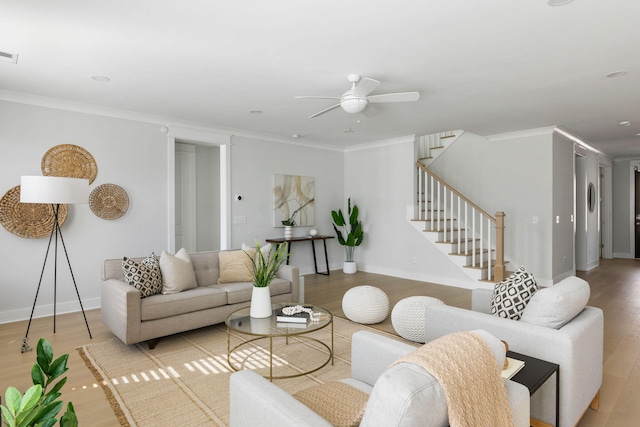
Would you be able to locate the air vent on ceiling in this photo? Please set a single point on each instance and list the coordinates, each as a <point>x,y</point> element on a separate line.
<point>9,57</point>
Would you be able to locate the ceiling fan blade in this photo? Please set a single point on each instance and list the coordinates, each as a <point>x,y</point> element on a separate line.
<point>395,97</point>
<point>316,97</point>
<point>324,111</point>
<point>365,86</point>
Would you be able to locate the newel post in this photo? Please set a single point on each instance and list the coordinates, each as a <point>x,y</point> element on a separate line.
<point>498,270</point>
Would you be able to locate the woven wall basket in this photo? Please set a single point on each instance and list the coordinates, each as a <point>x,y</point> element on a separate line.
<point>29,220</point>
<point>70,161</point>
<point>109,201</point>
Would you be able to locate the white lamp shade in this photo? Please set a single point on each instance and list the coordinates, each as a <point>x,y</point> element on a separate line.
<point>54,190</point>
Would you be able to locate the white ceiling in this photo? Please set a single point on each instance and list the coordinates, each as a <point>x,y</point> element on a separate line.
<point>486,66</point>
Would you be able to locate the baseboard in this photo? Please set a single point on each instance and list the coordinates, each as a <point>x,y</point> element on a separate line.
<point>429,278</point>
<point>47,310</point>
<point>624,255</point>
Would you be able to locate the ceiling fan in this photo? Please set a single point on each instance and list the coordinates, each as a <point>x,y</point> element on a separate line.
<point>356,99</point>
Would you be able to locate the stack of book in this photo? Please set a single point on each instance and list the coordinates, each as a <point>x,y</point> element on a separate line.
<point>292,320</point>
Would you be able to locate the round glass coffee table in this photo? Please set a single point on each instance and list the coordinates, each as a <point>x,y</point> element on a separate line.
<point>269,329</point>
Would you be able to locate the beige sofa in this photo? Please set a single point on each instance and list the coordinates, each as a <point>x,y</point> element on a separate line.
<point>134,319</point>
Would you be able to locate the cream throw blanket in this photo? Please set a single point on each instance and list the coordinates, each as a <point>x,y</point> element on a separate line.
<point>469,375</point>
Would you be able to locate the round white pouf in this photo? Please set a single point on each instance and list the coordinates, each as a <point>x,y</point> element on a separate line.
<point>365,304</point>
<point>408,317</point>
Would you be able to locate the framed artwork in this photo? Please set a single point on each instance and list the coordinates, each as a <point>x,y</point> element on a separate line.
<point>294,199</point>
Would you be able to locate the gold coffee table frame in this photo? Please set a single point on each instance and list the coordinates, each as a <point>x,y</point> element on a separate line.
<point>267,328</point>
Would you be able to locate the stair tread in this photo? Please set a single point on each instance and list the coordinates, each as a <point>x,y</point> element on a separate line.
<point>469,253</point>
<point>442,230</point>
<point>456,241</point>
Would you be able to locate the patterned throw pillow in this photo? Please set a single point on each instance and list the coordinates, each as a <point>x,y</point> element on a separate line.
<point>145,275</point>
<point>511,296</point>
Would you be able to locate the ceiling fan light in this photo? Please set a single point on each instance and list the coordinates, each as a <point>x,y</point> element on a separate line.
<point>354,105</point>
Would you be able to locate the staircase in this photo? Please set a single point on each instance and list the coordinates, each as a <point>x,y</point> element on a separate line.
<point>469,236</point>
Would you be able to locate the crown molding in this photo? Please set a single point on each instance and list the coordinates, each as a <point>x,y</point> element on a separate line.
<point>521,134</point>
<point>384,143</point>
<point>182,129</point>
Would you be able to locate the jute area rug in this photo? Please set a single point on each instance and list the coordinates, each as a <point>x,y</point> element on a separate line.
<point>185,379</point>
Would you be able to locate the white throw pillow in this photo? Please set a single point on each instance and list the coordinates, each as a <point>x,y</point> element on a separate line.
<point>555,306</point>
<point>177,272</point>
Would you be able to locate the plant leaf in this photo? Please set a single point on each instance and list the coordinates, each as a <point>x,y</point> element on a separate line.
<point>353,217</point>
<point>49,411</point>
<point>49,422</point>
<point>13,398</point>
<point>56,388</point>
<point>58,367</point>
<point>50,397</point>
<point>37,376</point>
<point>30,398</point>
<point>69,419</point>
<point>7,416</point>
<point>44,352</point>
<point>338,218</point>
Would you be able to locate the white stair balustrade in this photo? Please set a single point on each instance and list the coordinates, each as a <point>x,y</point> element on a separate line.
<point>471,237</point>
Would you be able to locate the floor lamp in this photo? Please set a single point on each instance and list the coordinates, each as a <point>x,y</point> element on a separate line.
<point>55,191</point>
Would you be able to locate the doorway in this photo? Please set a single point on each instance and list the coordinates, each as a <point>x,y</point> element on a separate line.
<point>636,217</point>
<point>197,197</point>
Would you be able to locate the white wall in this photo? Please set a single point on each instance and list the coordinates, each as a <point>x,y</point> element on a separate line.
<point>380,180</point>
<point>510,173</point>
<point>587,223</point>
<point>134,155</point>
<point>563,229</point>
<point>622,207</point>
<point>128,153</point>
<point>253,165</point>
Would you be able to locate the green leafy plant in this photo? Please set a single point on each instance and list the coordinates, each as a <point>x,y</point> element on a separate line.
<point>353,233</point>
<point>39,407</point>
<point>265,267</point>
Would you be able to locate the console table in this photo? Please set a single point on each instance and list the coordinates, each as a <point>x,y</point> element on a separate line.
<point>311,239</point>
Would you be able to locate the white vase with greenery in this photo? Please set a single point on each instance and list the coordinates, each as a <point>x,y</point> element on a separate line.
<point>265,269</point>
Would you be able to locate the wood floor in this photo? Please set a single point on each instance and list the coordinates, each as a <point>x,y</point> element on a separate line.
<point>615,287</point>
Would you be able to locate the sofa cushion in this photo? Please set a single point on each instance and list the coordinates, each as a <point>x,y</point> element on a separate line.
<point>241,291</point>
<point>266,249</point>
<point>511,295</point>
<point>236,266</point>
<point>196,299</point>
<point>144,275</point>
<point>555,306</point>
<point>177,272</point>
<point>206,266</point>
<point>337,402</point>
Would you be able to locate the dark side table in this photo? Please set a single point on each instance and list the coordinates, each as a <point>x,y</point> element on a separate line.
<point>311,239</point>
<point>533,374</point>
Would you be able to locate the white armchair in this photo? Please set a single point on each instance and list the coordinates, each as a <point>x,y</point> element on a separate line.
<point>577,346</point>
<point>371,355</point>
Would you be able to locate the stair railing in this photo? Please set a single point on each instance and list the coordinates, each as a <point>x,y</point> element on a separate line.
<point>472,230</point>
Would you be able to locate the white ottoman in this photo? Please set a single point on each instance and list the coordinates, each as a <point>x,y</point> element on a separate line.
<point>365,304</point>
<point>408,317</point>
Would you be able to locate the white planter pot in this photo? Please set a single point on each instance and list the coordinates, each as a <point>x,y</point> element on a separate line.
<point>260,302</point>
<point>288,231</point>
<point>350,267</point>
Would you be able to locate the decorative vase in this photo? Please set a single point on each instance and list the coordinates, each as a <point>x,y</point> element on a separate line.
<point>350,267</point>
<point>288,231</point>
<point>260,302</point>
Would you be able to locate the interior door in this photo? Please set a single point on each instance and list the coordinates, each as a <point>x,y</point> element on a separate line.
<point>185,190</point>
<point>637,213</point>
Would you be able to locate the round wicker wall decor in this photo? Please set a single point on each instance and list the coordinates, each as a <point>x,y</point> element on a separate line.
<point>109,201</point>
<point>29,220</point>
<point>70,161</point>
